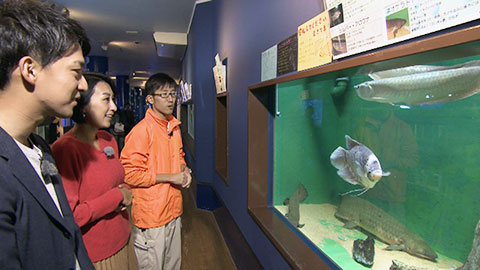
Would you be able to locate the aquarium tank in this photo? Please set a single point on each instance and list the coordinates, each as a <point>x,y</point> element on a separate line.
<point>388,150</point>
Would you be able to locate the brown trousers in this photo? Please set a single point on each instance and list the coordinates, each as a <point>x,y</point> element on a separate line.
<point>124,259</point>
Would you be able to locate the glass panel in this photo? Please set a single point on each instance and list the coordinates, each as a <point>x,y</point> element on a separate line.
<point>428,204</point>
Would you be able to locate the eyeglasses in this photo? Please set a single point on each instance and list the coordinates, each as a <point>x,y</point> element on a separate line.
<point>166,94</point>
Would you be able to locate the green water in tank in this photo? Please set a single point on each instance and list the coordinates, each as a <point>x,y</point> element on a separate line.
<point>432,152</point>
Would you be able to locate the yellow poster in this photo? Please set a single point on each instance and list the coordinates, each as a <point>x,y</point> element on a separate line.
<point>314,43</point>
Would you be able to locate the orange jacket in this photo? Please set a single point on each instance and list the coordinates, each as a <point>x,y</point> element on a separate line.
<point>154,146</point>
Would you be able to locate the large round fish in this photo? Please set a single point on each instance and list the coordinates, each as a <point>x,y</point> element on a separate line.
<point>422,85</point>
<point>357,164</point>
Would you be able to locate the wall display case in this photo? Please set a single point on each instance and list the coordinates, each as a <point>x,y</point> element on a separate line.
<point>221,136</point>
<point>383,145</point>
<point>187,117</point>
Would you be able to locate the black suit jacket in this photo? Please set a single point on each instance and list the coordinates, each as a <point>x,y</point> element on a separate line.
<point>33,233</point>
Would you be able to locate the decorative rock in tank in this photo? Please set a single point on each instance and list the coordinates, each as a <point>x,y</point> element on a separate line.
<point>473,260</point>
<point>398,265</point>
<point>364,251</point>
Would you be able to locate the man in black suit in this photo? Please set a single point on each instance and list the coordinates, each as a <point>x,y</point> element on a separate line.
<point>41,62</point>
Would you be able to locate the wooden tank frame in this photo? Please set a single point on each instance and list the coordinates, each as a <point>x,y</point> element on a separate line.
<point>261,97</point>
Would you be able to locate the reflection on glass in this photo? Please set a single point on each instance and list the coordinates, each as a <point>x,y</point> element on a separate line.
<point>425,212</point>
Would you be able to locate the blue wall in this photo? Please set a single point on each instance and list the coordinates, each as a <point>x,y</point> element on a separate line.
<point>239,31</point>
<point>197,70</point>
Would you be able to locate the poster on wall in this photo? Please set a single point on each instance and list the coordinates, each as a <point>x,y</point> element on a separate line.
<point>220,75</point>
<point>360,25</point>
<point>185,92</point>
<point>269,63</point>
<point>314,43</point>
<point>287,55</point>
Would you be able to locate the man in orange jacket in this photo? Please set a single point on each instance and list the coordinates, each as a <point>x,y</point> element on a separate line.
<point>155,169</point>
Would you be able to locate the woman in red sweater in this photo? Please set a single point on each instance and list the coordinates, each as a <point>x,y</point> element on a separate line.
<point>87,160</point>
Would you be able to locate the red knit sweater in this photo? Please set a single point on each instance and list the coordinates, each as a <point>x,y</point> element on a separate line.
<point>90,179</point>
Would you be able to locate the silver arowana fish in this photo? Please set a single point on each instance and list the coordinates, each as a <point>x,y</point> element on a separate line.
<point>357,164</point>
<point>422,85</point>
<point>356,212</point>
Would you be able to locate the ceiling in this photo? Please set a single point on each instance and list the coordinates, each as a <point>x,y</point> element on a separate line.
<point>123,30</point>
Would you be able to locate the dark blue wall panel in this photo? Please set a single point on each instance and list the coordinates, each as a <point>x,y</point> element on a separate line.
<point>197,66</point>
<point>97,64</point>
<point>123,91</point>
<point>239,31</point>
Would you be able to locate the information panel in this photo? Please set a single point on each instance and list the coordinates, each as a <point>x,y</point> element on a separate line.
<point>360,25</point>
<point>287,53</point>
<point>314,43</point>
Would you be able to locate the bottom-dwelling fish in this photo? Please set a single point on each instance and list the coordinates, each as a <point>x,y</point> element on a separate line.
<point>293,214</point>
<point>357,165</point>
<point>356,212</point>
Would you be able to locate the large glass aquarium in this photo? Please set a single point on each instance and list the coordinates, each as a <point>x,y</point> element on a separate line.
<point>383,157</point>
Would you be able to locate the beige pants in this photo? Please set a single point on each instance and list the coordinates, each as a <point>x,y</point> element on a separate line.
<point>124,259</point>
<point>159,248</point>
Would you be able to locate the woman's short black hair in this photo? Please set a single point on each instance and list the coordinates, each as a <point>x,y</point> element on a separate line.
<point>92,80</point>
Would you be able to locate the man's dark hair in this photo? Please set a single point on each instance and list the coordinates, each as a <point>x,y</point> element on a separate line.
<point>85,96</point>
<point>37,29</point>
<point>159,81</point>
